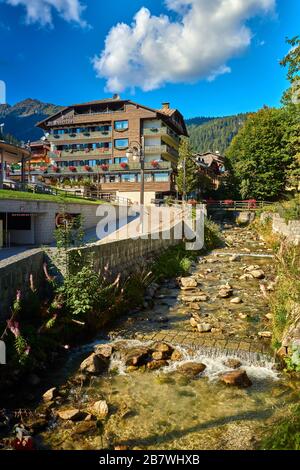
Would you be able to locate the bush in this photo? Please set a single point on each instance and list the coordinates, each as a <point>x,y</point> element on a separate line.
<point>289,210</point>
<point>285,433</point>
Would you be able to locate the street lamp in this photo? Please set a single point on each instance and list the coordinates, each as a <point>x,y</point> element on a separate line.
<point>182,166</point>
<point>136,151</point>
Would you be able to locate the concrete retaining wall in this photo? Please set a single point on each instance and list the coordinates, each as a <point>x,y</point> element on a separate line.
<point>44,214</point>
<point>15,275</point>
<point>290,230</point>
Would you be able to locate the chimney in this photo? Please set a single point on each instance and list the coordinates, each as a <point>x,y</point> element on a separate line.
<point>116,97</point>
<point>166,105</point>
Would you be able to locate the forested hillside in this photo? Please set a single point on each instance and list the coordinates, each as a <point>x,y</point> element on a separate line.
<point>214,134</point>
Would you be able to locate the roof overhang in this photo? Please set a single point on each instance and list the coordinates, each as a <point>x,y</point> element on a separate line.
<point>13,153</point>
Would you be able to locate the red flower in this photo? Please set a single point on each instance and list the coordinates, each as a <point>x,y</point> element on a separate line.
<point>228,202</point>
<point>72,168</point>
<point>55,169</point>
<point>154,163</point>
<point>87,168</point>
<point>123,165</point>
<point>104,167</point>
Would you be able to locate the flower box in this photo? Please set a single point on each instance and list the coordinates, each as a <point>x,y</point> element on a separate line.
<point>55,169</point>
<point>72,168</point>
<point>154,163</point>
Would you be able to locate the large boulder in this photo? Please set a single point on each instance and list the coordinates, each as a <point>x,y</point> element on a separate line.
<point>137,357</point>
<point>164,349</point>
<point>94,364</point>
<point>238,378</point>
<point>191,369</point>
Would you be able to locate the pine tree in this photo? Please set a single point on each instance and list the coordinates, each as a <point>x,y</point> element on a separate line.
<point>188,176</point>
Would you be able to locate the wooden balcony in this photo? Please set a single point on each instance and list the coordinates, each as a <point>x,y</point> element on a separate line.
<point>164,150</point>
<point>80,154</point>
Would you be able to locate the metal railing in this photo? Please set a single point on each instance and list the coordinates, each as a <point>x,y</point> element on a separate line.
<point>80,135</point>
<point>237,205</point>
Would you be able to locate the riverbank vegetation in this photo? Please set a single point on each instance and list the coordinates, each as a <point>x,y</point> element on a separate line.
<point>73,310</point>
<point>285,299</point>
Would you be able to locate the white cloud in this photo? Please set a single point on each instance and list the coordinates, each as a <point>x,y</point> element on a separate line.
<point>154,50</point>
<point>41,11</point>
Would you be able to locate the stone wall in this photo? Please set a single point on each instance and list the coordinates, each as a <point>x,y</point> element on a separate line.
<point>290,230</point>
<point>15,275</point>
<point>123,256</point>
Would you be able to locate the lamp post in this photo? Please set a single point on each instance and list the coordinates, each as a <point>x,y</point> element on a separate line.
<point>136,151</point>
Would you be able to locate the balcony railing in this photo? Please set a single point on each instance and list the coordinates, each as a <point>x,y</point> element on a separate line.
<point>86,169</point>
<point>161,131</point>
<point>79,154</point>
<point>160,149</point>
<point>79,136</point>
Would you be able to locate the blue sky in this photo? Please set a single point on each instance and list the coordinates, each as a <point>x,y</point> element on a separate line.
<point>50,57</point>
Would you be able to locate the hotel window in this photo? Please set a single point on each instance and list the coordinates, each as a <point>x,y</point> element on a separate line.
<point>121,125</point>
<point>121,160</point>
<point>121,143</point>
<point>148,177</point>
<point>161,177</point>
<point>128,178</point>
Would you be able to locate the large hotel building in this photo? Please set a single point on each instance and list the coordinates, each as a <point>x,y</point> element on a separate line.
<point>91,140</point>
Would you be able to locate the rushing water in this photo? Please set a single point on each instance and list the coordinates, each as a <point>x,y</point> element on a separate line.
<point>165,409</point>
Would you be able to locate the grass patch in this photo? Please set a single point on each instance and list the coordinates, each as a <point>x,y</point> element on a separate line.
<point>285,434</point>
<point>25,196</point>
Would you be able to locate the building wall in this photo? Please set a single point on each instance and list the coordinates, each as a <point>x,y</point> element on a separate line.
<point>290,230</point>
<point>44,224</point>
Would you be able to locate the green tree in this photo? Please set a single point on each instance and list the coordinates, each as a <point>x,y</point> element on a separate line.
<point>188,175</point>
<point>260,156</point>
<point>291,101</point>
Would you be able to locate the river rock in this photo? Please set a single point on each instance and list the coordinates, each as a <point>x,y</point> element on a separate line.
<point>257,274</point>
<point>94,364</point>
<point>195,298</point>
<point>238,378</point>
<point>236,300</point>
<point>191,369</point>
<point>50,394</point>
<point>232,363</point>
<point>225,291</point>
<point>194,322</point>
<point>160,355</point>
<point>137,357</point>
<point>157,364</point>
<point>246,277</point>
<point>100,409</point>
<point>85,427</point>
<point>71,414</point>
<point>103,350</point>
<point>176,355</point>
<point>234,258</point>
<point>188,283</point>
<point>204,327</point>
<point>265,334</point>
<point>195,305</point>
<point>269,316</point>
<point>163,347</point>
